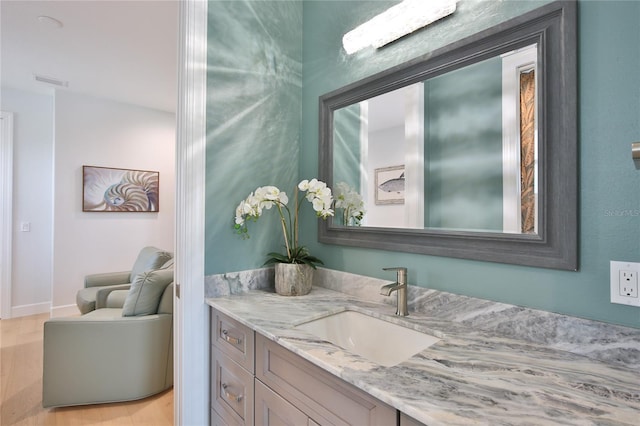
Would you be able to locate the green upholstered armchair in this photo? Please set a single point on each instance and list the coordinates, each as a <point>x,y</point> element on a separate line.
<point>149,259</point>
<point>105,356</point>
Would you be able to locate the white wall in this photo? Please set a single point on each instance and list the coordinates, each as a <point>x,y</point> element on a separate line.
<point>386,149</point>
<point>97,132</point>
<point>32,199</point>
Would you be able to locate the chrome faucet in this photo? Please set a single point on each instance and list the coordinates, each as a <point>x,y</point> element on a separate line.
<point>400,287</point>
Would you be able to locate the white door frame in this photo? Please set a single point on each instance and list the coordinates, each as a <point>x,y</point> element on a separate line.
<point>6,211</point>
<point>191,314</point>
<point>414,155</point>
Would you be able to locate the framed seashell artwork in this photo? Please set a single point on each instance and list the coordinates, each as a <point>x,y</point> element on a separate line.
<point>106,189</point>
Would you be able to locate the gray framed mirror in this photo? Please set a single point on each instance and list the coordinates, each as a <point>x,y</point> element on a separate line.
<point>467,152</point>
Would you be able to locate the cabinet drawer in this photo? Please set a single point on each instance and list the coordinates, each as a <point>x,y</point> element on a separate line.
<point>273,410</point>
<point>323,397</point>
<point>234,339</point>
<point>231,390</point>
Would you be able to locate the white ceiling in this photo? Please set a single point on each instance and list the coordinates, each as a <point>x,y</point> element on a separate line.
<point>387,110</point>
<point>120,50</point>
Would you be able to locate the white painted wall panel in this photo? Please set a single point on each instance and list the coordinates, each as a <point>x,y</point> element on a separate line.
<point>98,132</point>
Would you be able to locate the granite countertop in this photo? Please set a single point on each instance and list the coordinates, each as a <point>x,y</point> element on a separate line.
<point>471,376</point>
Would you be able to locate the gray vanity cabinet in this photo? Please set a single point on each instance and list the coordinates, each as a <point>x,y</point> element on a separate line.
<point>255,381</point>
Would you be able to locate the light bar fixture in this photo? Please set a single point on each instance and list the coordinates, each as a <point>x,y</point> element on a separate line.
<point>397,21</point>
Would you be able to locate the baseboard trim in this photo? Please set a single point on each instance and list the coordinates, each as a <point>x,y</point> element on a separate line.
<point>64,311</point>
<point>31,309</point>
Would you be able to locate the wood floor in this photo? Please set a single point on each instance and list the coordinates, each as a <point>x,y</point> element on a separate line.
<point>21,387</point>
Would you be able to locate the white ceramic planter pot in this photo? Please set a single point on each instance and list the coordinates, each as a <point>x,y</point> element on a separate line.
<point>293,279</point>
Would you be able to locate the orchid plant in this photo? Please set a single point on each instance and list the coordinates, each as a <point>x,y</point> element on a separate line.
<point>266,197</point>
<point>351,202</point>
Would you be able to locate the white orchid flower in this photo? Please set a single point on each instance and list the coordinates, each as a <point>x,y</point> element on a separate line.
<point>265,197</point>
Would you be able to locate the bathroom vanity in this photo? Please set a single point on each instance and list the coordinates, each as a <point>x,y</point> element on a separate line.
<point>267,370</point>
<point>283,387</point>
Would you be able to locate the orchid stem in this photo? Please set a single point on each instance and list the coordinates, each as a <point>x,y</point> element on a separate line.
<point>295,219</point>
<point>284,231</point>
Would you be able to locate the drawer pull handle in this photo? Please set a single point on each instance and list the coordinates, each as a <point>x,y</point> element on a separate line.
<point>229,395</point>
<point>231,339</point>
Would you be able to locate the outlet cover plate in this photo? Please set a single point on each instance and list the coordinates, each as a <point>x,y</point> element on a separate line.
<point>618,271</point>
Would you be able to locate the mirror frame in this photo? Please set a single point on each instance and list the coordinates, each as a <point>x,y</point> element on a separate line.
<point>554,28</point>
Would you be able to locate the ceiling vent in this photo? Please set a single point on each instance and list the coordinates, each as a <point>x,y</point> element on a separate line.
<point>51,80</point>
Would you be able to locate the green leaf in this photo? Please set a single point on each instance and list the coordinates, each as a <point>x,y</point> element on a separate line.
<point>298,255</point>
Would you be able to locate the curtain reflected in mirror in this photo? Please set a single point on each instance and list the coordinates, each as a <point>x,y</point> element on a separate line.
<point>528,150</point>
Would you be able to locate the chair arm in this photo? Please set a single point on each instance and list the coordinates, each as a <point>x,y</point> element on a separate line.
<point>102,296</point>
<point>109,278</point>
<point>117,298</point>
<point>103,359</point>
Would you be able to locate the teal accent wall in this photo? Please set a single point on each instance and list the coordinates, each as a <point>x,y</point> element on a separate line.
<point>255,134</point>
<point>463,148</point>
<point>254,79</point>
<point>609,111</point>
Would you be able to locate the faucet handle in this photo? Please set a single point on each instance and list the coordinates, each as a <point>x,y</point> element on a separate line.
<point>402,273</point>
<point>395,268</point>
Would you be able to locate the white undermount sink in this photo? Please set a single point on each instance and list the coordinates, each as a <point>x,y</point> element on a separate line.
<point>380,341</point>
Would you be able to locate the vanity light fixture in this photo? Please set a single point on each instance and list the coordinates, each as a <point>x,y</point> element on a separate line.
<point>397,21</point>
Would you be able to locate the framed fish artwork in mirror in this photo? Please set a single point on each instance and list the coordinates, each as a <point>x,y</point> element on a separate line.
<point>106,189</point>
<point>389,185</point>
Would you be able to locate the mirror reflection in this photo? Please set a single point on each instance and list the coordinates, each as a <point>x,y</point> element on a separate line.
<point>458,151</point>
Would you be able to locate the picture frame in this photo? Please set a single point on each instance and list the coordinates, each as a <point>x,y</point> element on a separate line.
<point>108,189</point>
<point>389,185</point>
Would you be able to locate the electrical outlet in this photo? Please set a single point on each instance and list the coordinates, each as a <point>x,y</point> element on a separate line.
<point>628,283</point>
<point>624,283</point>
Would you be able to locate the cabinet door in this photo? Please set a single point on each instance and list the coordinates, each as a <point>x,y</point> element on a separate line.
<point>273,410</point>
<point>231,390</point>
<point>321,395</point>
<point>409,421</point>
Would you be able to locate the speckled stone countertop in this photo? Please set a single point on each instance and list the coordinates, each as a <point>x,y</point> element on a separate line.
<point>475,374</point>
